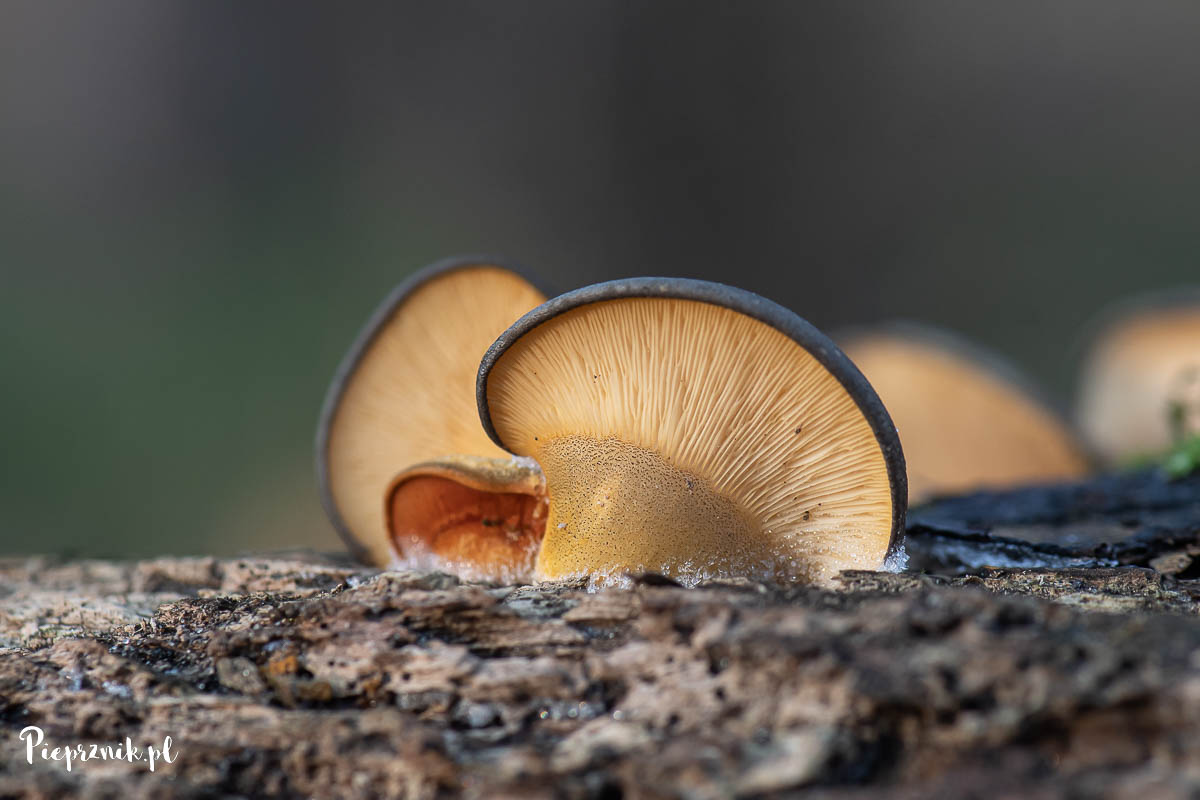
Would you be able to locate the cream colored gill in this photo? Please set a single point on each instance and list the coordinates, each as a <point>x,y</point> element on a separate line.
<point>674,400</point>
<point>411,396</point>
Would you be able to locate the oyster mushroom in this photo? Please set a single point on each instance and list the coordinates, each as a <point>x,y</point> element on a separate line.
<point>696,430</point>
<point>1140,383</point>
<point>968,420</point>
<point>405,472</point>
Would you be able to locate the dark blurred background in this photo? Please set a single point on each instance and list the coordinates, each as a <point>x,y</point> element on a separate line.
<point>201,202</point>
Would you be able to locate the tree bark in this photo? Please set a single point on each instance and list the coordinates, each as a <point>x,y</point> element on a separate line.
<point>1073,668</point>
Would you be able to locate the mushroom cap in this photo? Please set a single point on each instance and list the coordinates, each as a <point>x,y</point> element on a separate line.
<point>1141,366</point>
<point>967,418</point>
<point>694,429</point>
<point>402,394</point>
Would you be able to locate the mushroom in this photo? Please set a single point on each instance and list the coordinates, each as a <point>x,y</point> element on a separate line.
<point>1140,382</point>
<point>405,472</point>
<point>968,419</point>
<point>695,430</point>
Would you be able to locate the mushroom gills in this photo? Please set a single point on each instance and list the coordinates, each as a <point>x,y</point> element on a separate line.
<point>694,430</point>
<point>478,518</point>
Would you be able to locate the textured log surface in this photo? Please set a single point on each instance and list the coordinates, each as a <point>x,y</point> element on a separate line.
<point>305,676</point>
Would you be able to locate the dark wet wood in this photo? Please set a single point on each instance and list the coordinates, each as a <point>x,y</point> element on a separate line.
<point>1116,520</point>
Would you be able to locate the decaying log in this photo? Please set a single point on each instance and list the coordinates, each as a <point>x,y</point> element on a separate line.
<point>309,676</point>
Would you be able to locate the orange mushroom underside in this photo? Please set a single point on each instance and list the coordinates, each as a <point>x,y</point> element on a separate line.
<point>482,521</point>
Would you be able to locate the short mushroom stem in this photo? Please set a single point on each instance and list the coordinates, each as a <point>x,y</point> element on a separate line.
<point>481,518</point>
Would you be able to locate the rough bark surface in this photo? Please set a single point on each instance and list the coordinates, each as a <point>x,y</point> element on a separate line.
<point>1073,670</point>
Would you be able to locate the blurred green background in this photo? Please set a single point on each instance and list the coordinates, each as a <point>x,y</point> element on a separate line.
<point>201,202</point>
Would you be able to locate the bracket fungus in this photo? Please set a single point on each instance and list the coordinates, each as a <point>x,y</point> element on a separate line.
<point>968,420</point>
<point>404,470</point>
<point>696,430</point>
<point>1140,383</point>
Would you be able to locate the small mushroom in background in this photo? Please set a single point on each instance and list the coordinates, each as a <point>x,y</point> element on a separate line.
<point>1139,391</point>
<point>967,419</point>
<point>695,430</point>
<point>405,472</point>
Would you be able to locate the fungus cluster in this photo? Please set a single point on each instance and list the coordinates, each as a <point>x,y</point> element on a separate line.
<point>695,430</point>
<point>662,425</point>
<point>968,420</point>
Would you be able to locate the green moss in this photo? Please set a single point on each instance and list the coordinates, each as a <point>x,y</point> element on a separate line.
<point>1183,458</point>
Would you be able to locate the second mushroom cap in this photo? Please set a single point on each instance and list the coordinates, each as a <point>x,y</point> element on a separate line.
<point>968,420</point>
<point>404,469</point>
